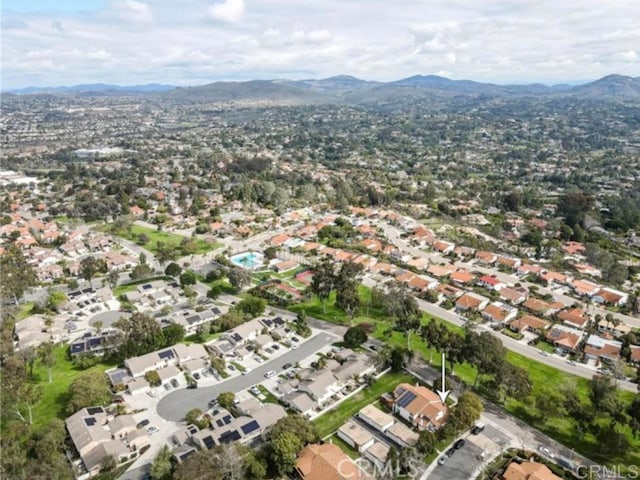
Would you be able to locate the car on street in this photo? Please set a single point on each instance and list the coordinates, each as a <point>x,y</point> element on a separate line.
<point>479,427</point>
<point>459,444</point>
<point>269,374</point>
<point>192,386</point>
<point>572,363</point>
<point>246,370</point>
<point>442,460</point>
<point>450,452</point>
<point>545,451</point>
<point>286,365</point>
<point>213,402</point>
<point>143,423</point>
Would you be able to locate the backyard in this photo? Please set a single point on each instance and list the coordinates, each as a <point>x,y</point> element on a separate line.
<point>155,237</point>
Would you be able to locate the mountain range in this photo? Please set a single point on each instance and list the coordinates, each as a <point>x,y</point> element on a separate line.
<point>348,89</point>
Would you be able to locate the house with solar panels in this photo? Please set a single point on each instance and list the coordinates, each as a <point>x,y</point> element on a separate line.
<point>419,406</point>
<point>96,436</point>
<point>96,345</point>
<point>243,429</point>
<point>138,366</point>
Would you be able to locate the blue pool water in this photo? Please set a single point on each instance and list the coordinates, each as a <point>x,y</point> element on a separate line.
<point>250,260</point>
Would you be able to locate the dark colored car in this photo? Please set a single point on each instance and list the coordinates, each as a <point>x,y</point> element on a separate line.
<point>459,444</point>
<point>450,452</point>
<point>477,429</point>
<point>143,423</point>
<point>286,365</point>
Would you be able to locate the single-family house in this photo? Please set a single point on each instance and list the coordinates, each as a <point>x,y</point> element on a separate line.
<point>471,301</point>
<point>499,312</point>
<point>574,317</point>
<point>600,348</point>
<point>378,453</point>
<point>142,364</point>
<point>402,435</point>
<point>529,323</point>
<point>528,471</point>
<point>419,406</point>
<point>564,339</point>
<point>610,296</point>
<point>491,283</point>
<point>514,296</point>
<point>327,462</point>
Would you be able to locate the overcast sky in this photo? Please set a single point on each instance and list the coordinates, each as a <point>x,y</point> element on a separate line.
<point>188,42</point>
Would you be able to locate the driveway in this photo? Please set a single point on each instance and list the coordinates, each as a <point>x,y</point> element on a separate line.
<point>460,465</point>
<point>176,404</point>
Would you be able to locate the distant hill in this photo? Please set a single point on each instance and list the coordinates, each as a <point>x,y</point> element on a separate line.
<point>611,86</point>
<point>255,90</point>
<point>94,87</point>
<point>349,89</point>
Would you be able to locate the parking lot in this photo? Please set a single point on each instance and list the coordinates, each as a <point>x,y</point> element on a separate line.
<point>462,464</point>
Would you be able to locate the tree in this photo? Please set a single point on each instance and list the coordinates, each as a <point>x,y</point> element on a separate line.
<point>323,281</point>
<point>113,278</point>
<point>142,270</point>
<point>173,270</point>
<point>188,278</point>
<point>466,412</point>
<point>88,267</point>
<point>355,336</point>
<point>398,358</point>
<point>427,442</point>
<point>16,275</point>
<point>227,399</point>
<point>173,334</point>
<point>142,334</point>
<point>515,382</point>
<point>193,416</point>
<point>550,404</point>
<point>108,464</point>
<point>56,299</point>
<point>348,300</point>
<point>601,388</point>
<point>238,277</point>
<point>486,352</point>
<point>153,377</point>
<point>431,335</point>
<point>47,356</point>
<point>162,468</point>
<point>401,304</point>
<point>297,424</point>
<point>199,466</point>
<point>252,306</point>
<point>86,390</point>
<point>284,448</point>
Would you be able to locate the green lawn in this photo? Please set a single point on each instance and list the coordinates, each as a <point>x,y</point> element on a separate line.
<point>271,398</point>
<point>129,287</point>
<point>167,238</point>
<point>330,421</point>
<point>346,448</point>
<point>55,396</point>
<point>545,346</point>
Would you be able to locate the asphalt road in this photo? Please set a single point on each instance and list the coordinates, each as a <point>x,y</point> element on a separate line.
<point>460,465</point>
<point>176,404</point>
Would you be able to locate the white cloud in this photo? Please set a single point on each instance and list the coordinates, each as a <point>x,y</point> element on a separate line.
<point>138,41</point>
<point>231,11</point>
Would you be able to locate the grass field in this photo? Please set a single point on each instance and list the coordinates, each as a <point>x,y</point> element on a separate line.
<point>202,246</point>
<point>330,421</point>
<point>55,395</point>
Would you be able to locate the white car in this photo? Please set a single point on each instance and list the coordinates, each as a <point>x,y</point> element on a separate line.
<point>246,370</point>
<point>545,451</point>
<point>269,374</point>
<point>151,430</point>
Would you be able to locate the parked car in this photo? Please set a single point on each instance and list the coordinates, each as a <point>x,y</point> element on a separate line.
<point>167,386</point>
<point>231,367</point>
<point>213,402</point>
<point>295,339</point>
<point>246,370</point>
<point>255,390</point>
<point>192,386</point>
<point>545,451</point>
<point>269,374</point>
<point>268,350</point>
<point>143,423</point>
<point>196,376</point>
<point>477,428</point>
<point>450,452</point>
<point>151,430</point>
<point>294,346</point>
<point>459,444</point>
<point>174,383</point>
<point>286,365</point>
<point>275,347</point>
<point>442,460</point>
<point>206,373</point>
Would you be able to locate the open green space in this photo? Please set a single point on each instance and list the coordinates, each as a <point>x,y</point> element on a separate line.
<point>54,395</point>
<point>330,421</point>
<point>155,236</point>
<point>129,287</point>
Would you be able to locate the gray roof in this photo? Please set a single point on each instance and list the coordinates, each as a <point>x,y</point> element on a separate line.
<point>300,401</point>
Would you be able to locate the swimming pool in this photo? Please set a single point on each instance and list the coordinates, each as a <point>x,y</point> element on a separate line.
<point>248,260</point>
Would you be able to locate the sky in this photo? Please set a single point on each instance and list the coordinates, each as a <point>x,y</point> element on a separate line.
<point>192,42</point>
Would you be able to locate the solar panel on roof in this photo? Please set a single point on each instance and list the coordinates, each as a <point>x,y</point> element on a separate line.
<point>95,410</point>
<point>208,442</point>
<point>146,286</point>
<point>118,376</point>
<point>237,337</point>
<point>90,421</point>
<point>186,454</point>
<point>166,354</point>
<point>219,422</point>
<point>215,310</point>
<point>77,347</point>
<point>406,399</point>
<point>278,321</point>
<point>250,427</point>
<point>95,342</point>
<point>229,437</point>
<point>227,419</point>
<point>193,319</point>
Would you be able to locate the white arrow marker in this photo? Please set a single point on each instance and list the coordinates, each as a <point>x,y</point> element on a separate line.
<point>444,393</point>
